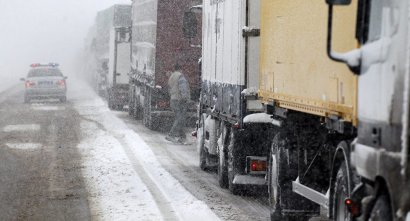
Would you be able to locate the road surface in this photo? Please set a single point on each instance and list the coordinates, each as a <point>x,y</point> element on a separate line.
<point>81,161</point>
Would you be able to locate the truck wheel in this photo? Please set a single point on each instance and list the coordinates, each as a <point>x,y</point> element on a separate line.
<point>146,119</point>
<point>203,153</point>
<point>63,99</point>
<point>233,164</point>
<point>131,108</point>
<point>280,176</point>
<point>138,113</point>
<point>26,99</point>
<point>222,164</point>
<point>131,102</point>
<point>110,104</point>
<point>381,210</point>
<point>341,192</point>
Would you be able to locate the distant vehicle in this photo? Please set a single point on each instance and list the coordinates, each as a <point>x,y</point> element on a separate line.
<point>159,43</point>
<point>118,67</point>
<point>100,48</point>
<point>45,81</point>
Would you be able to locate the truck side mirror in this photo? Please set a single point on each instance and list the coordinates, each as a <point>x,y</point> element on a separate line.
<point>338,2</point>
<point>352,58</point>
<point>190,24</point>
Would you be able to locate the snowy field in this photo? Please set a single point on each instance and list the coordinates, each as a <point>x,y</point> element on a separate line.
<point>124,179</point>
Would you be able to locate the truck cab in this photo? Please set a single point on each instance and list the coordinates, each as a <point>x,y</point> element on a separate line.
<point>380,153</point>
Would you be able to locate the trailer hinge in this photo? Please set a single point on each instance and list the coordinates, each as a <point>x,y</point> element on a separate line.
<point>251,31</point>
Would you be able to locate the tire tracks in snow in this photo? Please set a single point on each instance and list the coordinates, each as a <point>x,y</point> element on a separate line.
<point>228,206</point>
<point>203,185</point>
<point>162,202</point>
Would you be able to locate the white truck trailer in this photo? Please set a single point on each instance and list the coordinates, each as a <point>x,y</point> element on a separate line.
<point>119,67</point>
<point>97,44</point>
<point>230,61</point>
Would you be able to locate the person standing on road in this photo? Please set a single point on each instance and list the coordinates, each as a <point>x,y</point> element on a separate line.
<point>180,95</point>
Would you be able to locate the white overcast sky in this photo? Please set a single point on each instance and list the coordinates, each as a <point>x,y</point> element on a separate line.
<point>44,30</point>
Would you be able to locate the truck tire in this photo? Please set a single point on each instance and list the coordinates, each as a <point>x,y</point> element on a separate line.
<point>203,153</point>
<point>131,101</point>
<point>110,104</point>
<point>138,113</point>
<point>222,164</point>
<point>341,192</point>
<point>280,177</point>
<point>63,99</point>
<point>110,101</point>
<point>26,99</point>
<point>131,108</point>
<point>381,210</point>
<point>233,163</point>
<point>147,118</point>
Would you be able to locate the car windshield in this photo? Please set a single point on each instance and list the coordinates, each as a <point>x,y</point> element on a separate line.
<point>44,72</point>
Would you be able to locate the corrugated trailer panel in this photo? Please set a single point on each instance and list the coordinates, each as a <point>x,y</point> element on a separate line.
<point>295,70</point>
<point>223,63</point>
<point>224,54</point>
<point>172,46</point>
<point>144,27</point>
<point>159,43</point>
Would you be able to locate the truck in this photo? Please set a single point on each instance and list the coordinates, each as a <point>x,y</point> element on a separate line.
<point>97,45</point>
<point>159,43</point>
<point>379,154</point>
<point>119,64</point>
<point>226,139</point>
<point>340,140</point>
<point>312,101</point>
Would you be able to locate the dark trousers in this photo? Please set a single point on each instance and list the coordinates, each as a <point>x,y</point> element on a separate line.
<point>180,109</point>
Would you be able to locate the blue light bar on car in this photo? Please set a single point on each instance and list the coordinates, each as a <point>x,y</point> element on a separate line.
<point>53,64</point>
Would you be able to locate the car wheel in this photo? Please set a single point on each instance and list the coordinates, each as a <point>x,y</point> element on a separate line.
<point>63,99</point>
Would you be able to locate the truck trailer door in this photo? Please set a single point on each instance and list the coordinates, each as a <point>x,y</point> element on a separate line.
<point>252,43</point>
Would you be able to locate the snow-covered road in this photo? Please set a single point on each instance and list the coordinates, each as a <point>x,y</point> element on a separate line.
<point>81,161</point>
<point>123,176</point>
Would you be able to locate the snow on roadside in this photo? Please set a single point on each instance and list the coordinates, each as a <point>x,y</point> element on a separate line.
<point>123,176</point>
<point>115,190</point>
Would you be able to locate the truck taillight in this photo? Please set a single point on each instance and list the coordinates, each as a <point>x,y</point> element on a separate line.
<point>61,83</point>
<point>353,207</point>
<point>162,104</point>
<point>236,126</point>
<point>256,165</point>
<point>29,84</point>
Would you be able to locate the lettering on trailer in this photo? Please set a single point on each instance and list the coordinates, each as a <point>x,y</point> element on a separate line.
<point>213,2</point>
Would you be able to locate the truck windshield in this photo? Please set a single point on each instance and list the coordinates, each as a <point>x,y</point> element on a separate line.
<point>44,72</point>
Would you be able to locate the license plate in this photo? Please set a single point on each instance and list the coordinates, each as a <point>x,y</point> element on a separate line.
<point>45,83</point>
